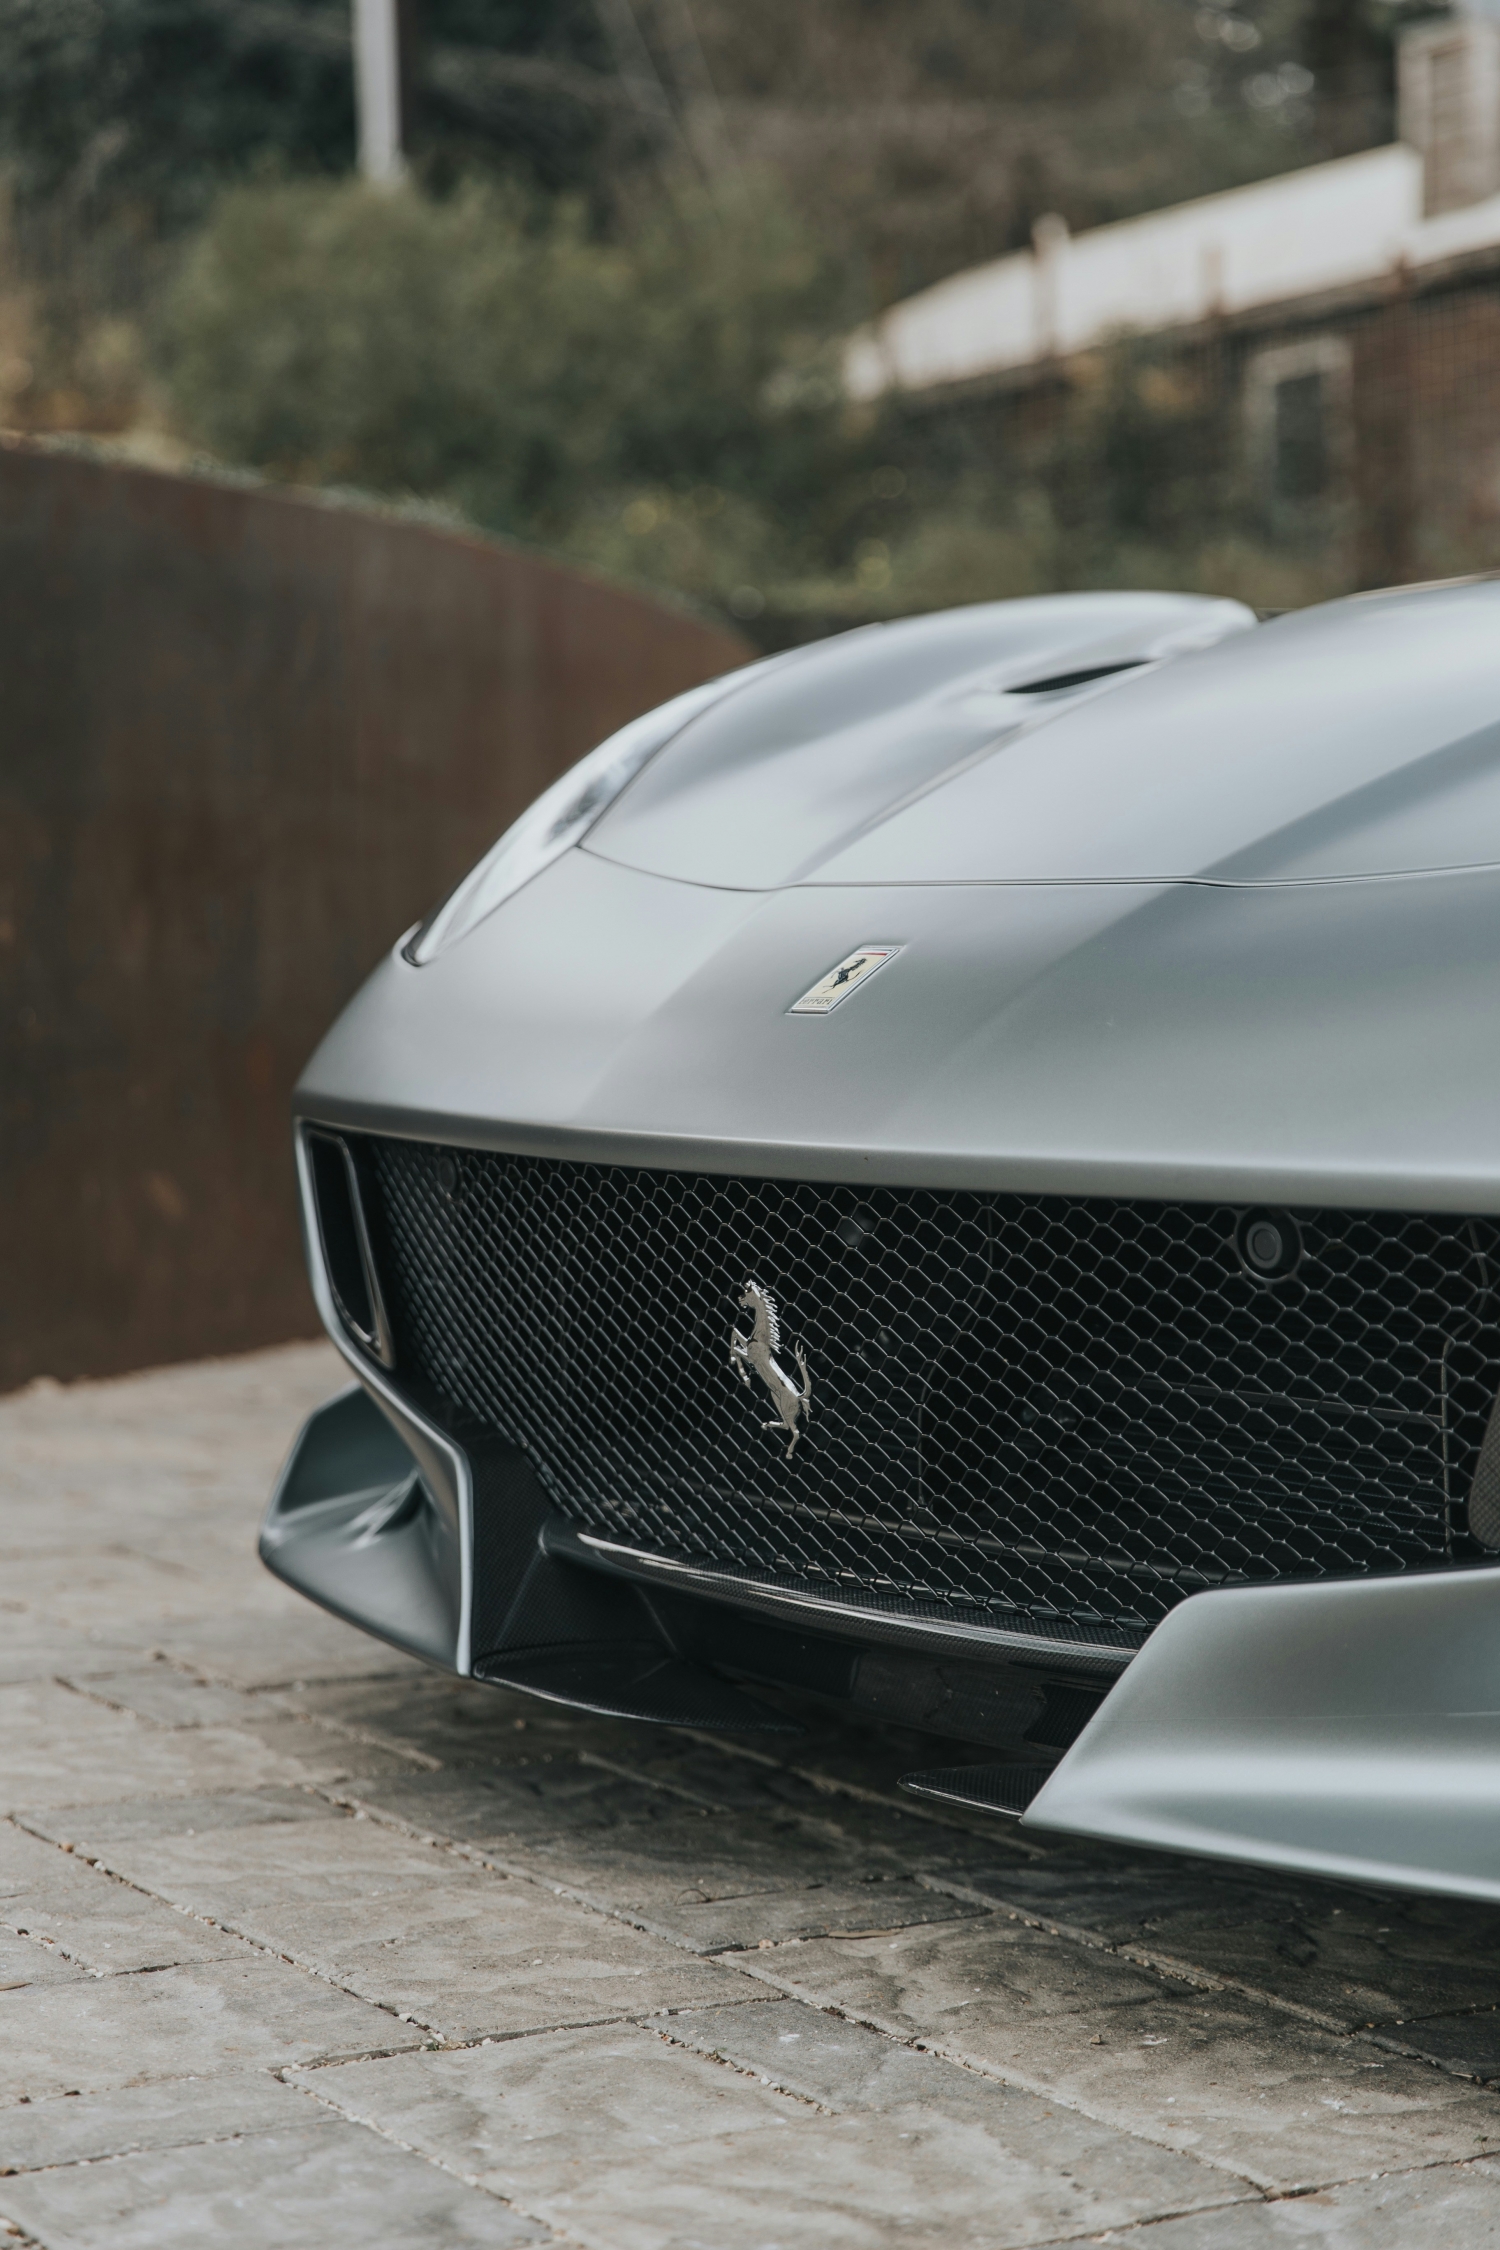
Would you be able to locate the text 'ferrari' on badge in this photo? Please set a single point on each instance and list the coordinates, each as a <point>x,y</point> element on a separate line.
<point>854,970</point>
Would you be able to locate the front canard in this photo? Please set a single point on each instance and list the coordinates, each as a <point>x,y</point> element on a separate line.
<point>837,983</point>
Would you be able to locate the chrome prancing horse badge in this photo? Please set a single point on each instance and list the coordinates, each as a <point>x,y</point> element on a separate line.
<point>757,1352</point>
<point>836,984</point>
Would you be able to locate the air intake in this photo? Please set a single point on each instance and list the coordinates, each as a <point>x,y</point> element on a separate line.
<point>345,1241</point>
<point>1063,1414</point>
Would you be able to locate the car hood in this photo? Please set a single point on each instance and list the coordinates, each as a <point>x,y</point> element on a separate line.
<point>1276,1042</point>
<point>1359,738</point>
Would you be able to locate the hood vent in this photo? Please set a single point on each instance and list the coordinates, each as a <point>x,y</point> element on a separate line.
<point>1061,680</point>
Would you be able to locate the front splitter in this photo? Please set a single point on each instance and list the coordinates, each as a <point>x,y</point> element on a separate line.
<point>1349,1730</point>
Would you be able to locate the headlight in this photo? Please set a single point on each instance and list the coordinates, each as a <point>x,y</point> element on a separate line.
<point>561,817</point>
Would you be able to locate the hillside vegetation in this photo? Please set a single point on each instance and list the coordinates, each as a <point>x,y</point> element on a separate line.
<point>603,313</point>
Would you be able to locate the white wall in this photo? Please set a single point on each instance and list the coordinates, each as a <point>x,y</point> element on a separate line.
<point>1330,226</point>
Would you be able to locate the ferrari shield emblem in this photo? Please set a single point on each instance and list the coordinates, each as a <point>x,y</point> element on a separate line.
<point>837,983</point>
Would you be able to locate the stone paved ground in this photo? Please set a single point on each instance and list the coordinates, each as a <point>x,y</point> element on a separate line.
<point>301,1945</point>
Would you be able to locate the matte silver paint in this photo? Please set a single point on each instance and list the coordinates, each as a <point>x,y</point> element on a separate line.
<point>1293,1044</point>
<point>1346,1729</point>
<point>426,1586</point>
<point>1224,925</point>
<point>803,760</point>
<point>353,1524</point>
<point>1360,738</point>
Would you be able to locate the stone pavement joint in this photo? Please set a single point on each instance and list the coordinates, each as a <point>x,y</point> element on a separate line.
<point>301,1942</point>
<point>1166,1964</point>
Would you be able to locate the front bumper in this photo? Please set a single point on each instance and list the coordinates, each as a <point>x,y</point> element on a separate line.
<point>1344,1727</point>
<point>1349,1730</point>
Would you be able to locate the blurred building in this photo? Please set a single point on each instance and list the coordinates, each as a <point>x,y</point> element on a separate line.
<point>1345,318</point>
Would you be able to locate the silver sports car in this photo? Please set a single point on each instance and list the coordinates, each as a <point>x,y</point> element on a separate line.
<point>958,1170</point>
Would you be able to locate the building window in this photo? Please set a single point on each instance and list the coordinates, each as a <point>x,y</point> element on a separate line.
<point>1299,449</point>
<point>1297,418</point>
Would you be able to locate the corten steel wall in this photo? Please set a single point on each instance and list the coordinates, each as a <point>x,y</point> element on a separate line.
<point>247,740</point>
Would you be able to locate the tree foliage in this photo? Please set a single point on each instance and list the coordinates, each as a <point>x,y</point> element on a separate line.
<point>923,138</point>
<point>604,314</point>
<point>163,102</point>
<point>487,349</point>
<point>157,100</point>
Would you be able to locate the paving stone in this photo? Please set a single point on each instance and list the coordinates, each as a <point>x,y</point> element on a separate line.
<point>719,1882</point>
<point>60,1902</point>
<point>941,1847</point>
<point>1102,1887</point>
<point>231,1420</point>
<point>940,1982</point>
<point>712,1774</point>
<point>825,2058</point>
<point>1468,2042</point>
<point>301,2189</point>
<point>1354,1957</point>
<point>96,1826</point>
<point>164,1696</point>
<point>530,1800</point>
<point>715,1776</point>
<point>789,1917</point>
<point>59,1523</point>
<point>468,1951</point>
<point>167,1697</point>
<point>276,1647</point>
<point>1346,1973</point>
<point>869,1759</point>
<point>493,1960</point>
<point>454,1722</point>
<point>97,2032</point>
<point>324,1757</point>
<point>27,1961</point>
<point>63,1748</point>
<point>481,1959</point>
<point>58,1512</point>
<point>102,1583</point>
<point>630,2143</point>
<point>217,1869</point>
<point>845,1768</point>
<point>34,1648</point>
<point>1267,2097</point>
<point>463,1723</point>
<point>131,1508</point>
<point>170,2114</point>
<point>1452,2207</point>
<point>710,1880</point>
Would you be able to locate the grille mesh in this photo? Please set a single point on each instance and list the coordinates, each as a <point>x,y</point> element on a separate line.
<point>1076,1411</point>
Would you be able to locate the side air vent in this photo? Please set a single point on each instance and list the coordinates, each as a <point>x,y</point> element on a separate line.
<point>1061,680</point>
<point>346,1244</point>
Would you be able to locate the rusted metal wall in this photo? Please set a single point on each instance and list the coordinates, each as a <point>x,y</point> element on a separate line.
<point>245,740</point>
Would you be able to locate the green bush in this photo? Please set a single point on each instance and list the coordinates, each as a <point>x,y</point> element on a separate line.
<point>486,350</point>
<point>331,334</point>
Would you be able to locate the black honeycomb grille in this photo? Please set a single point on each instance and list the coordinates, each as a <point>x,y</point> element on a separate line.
<point>1075,1411</point>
